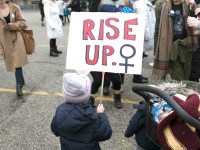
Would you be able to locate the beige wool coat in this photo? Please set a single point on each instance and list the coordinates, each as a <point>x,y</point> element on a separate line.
<point>11,42</point>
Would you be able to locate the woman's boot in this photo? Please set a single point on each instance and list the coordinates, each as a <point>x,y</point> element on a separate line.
<point>23,82</point>
<point>19,90</point>
<point>53,53</point>
<point>57,51</point>
<point>117,98</point>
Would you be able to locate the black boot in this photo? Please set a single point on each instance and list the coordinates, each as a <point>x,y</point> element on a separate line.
<point>23,82</point>
<point>106,90</point>
<point>144,55</point>
<point>91,101</point>
<point>144,77</point>
<point>53,53</point>
<point>117,100</point>
<point>19,90</point>
<point>139,79</point>
<point>57,51</point>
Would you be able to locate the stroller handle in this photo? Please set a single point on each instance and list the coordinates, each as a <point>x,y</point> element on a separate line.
<point>177,108</point>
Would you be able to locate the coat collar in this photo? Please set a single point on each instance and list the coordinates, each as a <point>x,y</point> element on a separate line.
<point>12,9</point>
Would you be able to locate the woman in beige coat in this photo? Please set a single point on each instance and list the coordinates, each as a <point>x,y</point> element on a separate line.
<point>12,47</point>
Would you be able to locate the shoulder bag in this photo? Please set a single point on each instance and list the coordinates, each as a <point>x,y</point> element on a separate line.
<point>29,41</point>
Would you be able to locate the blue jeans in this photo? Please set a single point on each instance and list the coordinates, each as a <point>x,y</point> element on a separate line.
<point>19,76</point>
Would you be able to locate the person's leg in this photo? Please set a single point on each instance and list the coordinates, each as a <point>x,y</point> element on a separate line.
<point>61,18</point>
<point>52,48</point>
<point>56,50</point>
<point>19,81</point>
<point>64,19</point>
<point>42,18</point>
<point>68,19</point>
<point>122,81</point>
<point>122,77</point>
<point>116,85</point>
<point>97,78</point>
<point>106,85</point>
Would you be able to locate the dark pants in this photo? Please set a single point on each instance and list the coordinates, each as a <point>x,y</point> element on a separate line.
<point>42,15</point>
<point>67,16</point>
<point>195,65</point>
<point>52,43</point>
<point>107,80</point>
<point>97,79</point>
<point>61,17</point>
<point>19,76</point>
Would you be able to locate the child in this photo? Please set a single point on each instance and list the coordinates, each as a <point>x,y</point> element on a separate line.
<point>75,121</point>
<point>137,126</point>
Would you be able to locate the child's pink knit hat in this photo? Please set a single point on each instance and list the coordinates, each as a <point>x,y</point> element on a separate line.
<point>76,87</point>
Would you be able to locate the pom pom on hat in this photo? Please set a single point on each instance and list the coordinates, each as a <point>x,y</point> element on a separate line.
<point>76,87</point>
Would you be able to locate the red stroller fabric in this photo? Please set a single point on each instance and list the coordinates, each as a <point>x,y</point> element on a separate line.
<point>174,134</point>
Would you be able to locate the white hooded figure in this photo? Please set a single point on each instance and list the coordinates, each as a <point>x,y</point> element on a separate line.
<point>53,22</point>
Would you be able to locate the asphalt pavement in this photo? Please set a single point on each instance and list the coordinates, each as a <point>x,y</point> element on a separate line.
<point>25,122</point>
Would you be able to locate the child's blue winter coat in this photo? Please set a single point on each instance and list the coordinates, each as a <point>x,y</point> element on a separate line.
<point>80,127</point>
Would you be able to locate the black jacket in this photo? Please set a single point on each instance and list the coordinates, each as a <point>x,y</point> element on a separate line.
<point>78,5</point>
<point>93,5</point>
<point>80,127</point>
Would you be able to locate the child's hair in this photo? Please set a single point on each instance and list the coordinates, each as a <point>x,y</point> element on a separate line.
<point>76,87</point>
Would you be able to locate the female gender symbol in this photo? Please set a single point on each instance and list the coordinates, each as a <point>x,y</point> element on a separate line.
<point>126,58</point>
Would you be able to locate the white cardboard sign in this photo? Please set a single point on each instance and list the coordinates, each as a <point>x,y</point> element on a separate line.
<point>107,42</point>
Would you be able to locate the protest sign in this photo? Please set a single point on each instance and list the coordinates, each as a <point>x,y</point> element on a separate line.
<point>107,42</point>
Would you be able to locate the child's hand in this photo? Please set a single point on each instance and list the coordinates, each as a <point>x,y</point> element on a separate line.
<point>100,108</point>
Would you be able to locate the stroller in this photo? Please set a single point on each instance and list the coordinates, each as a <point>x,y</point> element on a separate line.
<point>180,129</point>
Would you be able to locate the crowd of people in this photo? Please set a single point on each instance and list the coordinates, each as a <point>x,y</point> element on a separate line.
<point>171,31</point>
